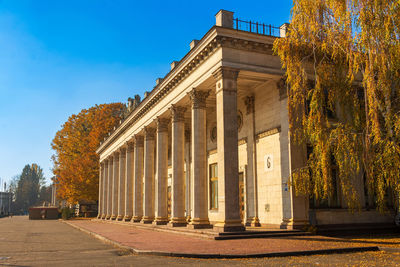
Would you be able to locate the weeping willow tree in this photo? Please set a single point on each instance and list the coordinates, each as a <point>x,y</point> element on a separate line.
<point>342,62</point>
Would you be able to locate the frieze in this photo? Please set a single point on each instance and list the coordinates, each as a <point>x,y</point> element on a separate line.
<point>268,132</point>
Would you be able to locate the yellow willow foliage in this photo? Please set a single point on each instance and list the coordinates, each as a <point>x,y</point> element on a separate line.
<point>342,62</point>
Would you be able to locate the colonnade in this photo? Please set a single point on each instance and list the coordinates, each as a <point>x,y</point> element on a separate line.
<point>133,184</point>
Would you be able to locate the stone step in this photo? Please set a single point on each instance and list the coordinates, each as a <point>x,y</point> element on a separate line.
<point>257,232</point>
<point>226,236</point>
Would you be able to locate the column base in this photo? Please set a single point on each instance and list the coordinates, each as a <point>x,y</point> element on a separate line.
<point>197,223</point>
<point>177,222</point>
<point>253,222</point>
<point>127,218</point>
<point>119,218</point>
<point>136,219</point>
<point>113,217</point>
<point>160,221</point>
<point>229,226</point>
<point>293,224</point>
<point>147,220</point>
<point>188,219</point>
<point>107,217</point>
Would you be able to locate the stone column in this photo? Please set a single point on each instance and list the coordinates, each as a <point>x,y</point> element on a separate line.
<point>227,148</point>
<point>109,187</point>
<point>188,177</point>
<point>138,179</point>
<point>199,156</point>
<point>105,189</point>
<point>148,174</point>
<point>178,173</point>
<point>251,174</point>
<point>161,179</point>
<point>129,182</point>
<point>114,211</point>
<point>121,184</point>
<point>101,184</point>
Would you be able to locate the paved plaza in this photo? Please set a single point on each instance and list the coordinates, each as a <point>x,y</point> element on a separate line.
<point>25,242</point>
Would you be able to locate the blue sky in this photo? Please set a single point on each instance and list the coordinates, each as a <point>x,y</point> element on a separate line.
<point>58,57</point>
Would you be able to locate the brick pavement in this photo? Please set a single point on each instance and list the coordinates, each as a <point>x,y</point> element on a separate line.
<point>141,239</point>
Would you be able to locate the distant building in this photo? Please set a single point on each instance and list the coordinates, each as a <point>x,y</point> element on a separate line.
<point>5,203</point>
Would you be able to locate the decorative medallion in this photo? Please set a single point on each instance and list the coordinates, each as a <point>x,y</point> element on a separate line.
<point>213,134</point>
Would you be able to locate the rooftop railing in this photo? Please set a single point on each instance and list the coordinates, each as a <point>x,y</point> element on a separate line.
<point>256,27</point>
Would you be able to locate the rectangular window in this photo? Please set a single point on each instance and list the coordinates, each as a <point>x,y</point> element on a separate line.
<point>214,186</point>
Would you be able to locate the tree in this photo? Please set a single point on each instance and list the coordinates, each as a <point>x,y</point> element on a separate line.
<point>342,62</point>
<point>28,187</point>
<point>76,164</point>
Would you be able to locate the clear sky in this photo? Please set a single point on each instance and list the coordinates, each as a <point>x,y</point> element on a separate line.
<point>58,57</point>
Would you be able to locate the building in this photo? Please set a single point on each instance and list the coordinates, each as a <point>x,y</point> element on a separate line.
<point>209,145</point>
<point>5,203</point>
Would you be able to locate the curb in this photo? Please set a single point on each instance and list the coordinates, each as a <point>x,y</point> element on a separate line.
<point>233,256</point>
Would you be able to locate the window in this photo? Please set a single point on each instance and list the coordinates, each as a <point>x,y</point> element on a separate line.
<point>214,186</point>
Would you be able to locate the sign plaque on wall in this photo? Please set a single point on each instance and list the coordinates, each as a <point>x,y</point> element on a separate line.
<point>268,163</point>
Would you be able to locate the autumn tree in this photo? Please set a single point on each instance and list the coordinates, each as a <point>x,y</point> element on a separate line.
<point>76,164</point>
<point>342,62</point>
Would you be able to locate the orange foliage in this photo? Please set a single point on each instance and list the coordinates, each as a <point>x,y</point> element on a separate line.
<point>76,164</point>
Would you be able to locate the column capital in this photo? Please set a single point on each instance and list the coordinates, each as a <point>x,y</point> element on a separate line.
<point>110,158</point>
<point>116,155</point>
<point>198,98</point>
<point>226,73</point>
<point>162,124</point>
<point>249,102</point>
<point>122,151</point>
<point>149,133</point>
<point>138,140</point>
<point>177,113</point>
<point>129,146</point>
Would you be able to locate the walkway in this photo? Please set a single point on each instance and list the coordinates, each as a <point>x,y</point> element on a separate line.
<point>165,243</point>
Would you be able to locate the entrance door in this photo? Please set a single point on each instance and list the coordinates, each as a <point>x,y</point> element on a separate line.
<point>241,196</point>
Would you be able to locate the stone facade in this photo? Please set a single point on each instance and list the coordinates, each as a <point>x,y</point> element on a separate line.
<point>209,146</point>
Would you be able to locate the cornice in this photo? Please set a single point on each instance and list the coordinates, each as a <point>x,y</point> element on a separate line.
<point>184,68</point>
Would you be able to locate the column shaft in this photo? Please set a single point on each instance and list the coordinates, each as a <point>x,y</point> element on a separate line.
<point>161,178</point>
<point>227,147</point>
<point>129,182</point>
<point>199,156</point>
<point>148,201</point>
<point>138,179</point>
<point>251,174</point>
<point>110,187</point>
<point>114,211</point>
<point>178,172</point>
<point>121,184</point>
<point>100,201</point>
<point>105,189</point>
